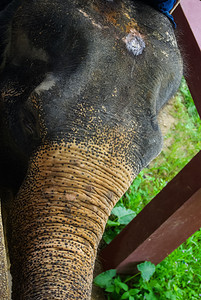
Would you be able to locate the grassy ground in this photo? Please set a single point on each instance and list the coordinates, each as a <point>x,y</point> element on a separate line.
<point>179,275</point>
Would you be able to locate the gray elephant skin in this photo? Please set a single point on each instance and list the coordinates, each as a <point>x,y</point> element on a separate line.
<point>81,85</point>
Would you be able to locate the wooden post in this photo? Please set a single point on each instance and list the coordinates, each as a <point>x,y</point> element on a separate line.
<point>188,19</point>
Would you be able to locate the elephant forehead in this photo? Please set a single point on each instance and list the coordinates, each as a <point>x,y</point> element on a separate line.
<point>102,53</point>
<point>52,29</point>
<point>93,41</point>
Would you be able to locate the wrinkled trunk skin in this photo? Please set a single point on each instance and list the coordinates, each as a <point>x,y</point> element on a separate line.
<point>58,219</point>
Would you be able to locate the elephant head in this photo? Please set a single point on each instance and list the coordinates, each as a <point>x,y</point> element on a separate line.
<point>81,85</point>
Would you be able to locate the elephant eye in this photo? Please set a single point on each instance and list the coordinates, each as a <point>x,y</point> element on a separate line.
<point>28,122</point>
<point>28,127</point>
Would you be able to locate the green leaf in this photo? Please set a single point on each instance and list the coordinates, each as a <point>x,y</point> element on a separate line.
<point>124,215</point>
<point>125,295</point>
<point>136,183</point>
<point>123,286</point>
<point>110,289</point>
<point>147,269</point>
<point>112,223</point>
<point>150,296</point>
<point>130,293</point>
<point>120,284</point>
<point>104,279</point>
<point>133,292</point>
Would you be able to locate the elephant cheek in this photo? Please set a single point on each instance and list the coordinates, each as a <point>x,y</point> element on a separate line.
<point>58,219</point>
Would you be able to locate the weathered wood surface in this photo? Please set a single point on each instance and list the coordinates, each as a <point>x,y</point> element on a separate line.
<point>188,19</point>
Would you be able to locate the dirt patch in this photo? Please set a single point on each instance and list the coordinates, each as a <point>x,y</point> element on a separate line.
<point>166,121</point>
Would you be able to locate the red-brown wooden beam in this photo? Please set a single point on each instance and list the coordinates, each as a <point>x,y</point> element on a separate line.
<point>175,213</point>
<point>165,223</point>
<point>188,18</point>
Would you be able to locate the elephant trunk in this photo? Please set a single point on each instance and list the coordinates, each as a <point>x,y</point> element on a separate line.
<point>58,219</point>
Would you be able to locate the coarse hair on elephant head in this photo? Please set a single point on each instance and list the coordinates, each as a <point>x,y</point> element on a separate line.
<point>81,85</point>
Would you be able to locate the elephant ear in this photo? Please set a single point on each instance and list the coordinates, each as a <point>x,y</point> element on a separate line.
<point>7,11</point>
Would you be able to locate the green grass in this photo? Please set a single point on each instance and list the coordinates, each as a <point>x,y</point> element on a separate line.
<point>178,276</point>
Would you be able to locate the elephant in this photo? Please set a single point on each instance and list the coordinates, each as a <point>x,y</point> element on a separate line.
<point>81,85</point>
